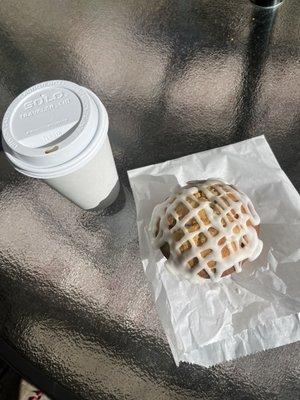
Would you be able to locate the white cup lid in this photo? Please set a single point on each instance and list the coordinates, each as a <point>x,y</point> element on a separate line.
<point>50,124</point>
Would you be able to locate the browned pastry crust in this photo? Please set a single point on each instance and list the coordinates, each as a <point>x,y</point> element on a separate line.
<point>181,212</point>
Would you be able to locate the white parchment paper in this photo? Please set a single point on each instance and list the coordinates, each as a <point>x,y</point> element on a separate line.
<point>254,310</point>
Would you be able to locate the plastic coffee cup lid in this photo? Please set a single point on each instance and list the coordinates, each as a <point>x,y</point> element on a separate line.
<point>53,128</point>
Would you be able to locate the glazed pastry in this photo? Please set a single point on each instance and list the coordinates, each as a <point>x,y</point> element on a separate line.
<point>206,229</point>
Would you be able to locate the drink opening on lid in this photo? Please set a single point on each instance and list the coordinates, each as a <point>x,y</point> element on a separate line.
<point>51,150</point>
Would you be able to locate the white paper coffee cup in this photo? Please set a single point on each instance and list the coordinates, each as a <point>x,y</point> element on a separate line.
<point>57,131</point>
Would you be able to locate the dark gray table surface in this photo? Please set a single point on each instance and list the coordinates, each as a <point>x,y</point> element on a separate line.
<point>177,77</point>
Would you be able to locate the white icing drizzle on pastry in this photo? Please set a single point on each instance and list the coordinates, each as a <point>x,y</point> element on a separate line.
<point>223,205</point>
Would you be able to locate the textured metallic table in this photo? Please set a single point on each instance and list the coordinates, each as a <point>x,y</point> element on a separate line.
<point>176,77</point>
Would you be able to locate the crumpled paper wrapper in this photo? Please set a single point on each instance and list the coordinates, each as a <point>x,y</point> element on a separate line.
<point>244,313</point>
